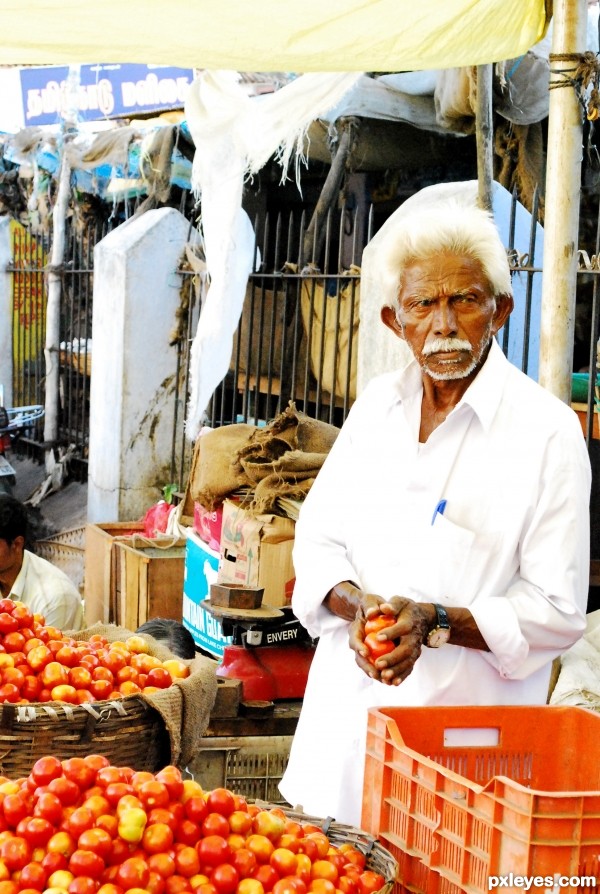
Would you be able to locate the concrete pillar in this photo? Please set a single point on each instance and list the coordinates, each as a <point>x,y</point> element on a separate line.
<point>5,311</point>
<point>136,294</point>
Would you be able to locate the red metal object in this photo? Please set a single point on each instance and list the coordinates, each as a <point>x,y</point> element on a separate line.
<point>270,672</point>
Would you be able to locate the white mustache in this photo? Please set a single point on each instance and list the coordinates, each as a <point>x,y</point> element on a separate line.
<point>441,345</point>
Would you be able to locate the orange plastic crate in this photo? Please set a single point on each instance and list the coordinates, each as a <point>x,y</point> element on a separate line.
<point>459,794</point>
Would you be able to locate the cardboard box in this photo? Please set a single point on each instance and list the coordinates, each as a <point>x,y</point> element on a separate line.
<point>100,568</point>
<point>256,550</point>
<point>201,566</point>
<point>150,583</point>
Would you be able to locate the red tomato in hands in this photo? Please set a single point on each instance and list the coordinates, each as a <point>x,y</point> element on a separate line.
<point>378,647</point>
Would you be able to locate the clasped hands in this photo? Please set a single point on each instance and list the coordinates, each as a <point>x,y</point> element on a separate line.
<point>410,631</point>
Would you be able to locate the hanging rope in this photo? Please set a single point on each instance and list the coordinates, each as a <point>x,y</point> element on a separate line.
<point>584,73</point>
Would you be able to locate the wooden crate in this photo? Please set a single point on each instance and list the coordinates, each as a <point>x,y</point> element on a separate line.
<point>100,569</point>
<point>149,583</point>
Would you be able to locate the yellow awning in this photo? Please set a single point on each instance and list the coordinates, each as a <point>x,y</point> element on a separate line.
<point>272,35</point>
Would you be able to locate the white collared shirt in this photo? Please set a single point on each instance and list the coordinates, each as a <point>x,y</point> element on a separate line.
<point>46,590</point>
<point>512,545</point>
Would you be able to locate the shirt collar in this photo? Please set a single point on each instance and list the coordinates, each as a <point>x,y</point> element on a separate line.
<point>483,394</point>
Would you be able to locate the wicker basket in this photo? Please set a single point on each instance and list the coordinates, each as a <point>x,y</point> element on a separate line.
<point>127,731</point>
<point>66,550</point>
<point>378,858</point>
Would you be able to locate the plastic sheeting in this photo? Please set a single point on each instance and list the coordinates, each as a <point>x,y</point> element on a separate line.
<point>272,35</point>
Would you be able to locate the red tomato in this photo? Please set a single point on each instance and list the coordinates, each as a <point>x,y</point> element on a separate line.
<point>46,769</point>
<point>225,878</point>
<point>62,844</point>
<point>38,831</point>
<point>266,875</point>
<point>86,863</point>
<point>83,884</point>
<point>31,687</point>
<point>177,884</point>
<point>15,808</point>
<point>284,861</point>
<point>7,622</point>
<point>49,806</point>
<point>370,881</point>
<point>162,863</point>
<point>215,824</point>
<point>14,641</point>
<point>133,873</point>
<point>52,861</point>
<point>101,689</point>
<point>213,850</point>
<point>196,808</point>
<point>261,846</point>
<point>67,791</point>
<point>76,769</point>
<point>79,821</point>
<point>33,875</point>
<point>80,677</point>
<point>153,794</point>
<point>64,693</point>
<point>157,838</point>
<point>54,674</point>
<point>187,832</point>
<point>378,647</point>
<point>187,861</point>
<point>171,777</point>
<point>160,815</point>
<point>324,869</point>
<point>160,677</point>
<point>15,852</point>
<point>67,655</point>
<point>39,657</point>
<point>10,693</point>
<point>220,800</point>
<point>97,840</point>
<point>244,861</point>
<point>23,614</point>
<point>290,885</point>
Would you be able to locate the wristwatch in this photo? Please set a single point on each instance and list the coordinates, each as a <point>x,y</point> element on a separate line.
<point>440,634</point>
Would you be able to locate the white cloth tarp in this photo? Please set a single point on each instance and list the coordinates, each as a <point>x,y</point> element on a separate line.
<point>273,35</point>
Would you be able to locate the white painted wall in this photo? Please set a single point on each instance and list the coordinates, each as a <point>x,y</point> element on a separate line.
<point>5,311</point>
<point>136,294</point>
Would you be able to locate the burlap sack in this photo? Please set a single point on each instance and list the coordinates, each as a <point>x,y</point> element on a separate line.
<point>213,475</point>
<point>281,459</point>
<point>185,706</point>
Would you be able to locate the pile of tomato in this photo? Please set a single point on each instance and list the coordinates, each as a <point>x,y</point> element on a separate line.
<point>39,663</point>
<point>84,826</point>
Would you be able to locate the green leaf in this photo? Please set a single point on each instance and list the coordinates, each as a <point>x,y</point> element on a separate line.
<point>168,491</point>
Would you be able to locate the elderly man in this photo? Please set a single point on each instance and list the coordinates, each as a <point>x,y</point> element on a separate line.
<point>455,499</point>
<point>28,578</point>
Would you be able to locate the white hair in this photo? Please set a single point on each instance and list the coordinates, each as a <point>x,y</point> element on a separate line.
<point>448,226</point>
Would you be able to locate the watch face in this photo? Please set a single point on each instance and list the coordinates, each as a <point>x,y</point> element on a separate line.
<point>438,637</point>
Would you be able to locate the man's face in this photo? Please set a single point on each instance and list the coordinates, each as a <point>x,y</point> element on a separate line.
<point>11,555</point>
<point>447,314</point>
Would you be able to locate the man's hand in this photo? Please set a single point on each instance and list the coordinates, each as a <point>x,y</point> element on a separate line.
<point>413,623</point>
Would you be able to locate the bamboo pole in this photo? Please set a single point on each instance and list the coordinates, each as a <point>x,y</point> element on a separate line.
<point>563,188</point>
<point>484,132</point>
<point>55,276</point>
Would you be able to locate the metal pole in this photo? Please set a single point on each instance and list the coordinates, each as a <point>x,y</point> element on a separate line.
<point>563,187</point>
<point>484,136</point>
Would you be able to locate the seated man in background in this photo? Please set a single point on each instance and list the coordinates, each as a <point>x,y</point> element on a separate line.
<point>28,578</point>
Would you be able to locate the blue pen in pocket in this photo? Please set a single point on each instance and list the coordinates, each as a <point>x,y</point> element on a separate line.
<point>439,510</point>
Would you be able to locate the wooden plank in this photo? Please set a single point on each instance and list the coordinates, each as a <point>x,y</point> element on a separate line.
<point>100,577</point>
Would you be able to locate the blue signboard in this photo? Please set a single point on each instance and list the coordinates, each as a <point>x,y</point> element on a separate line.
<point>104,91</point>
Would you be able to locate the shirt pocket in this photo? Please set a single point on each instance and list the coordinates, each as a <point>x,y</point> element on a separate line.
<point>450,562</point>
